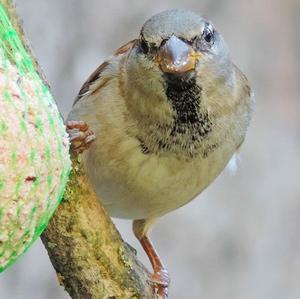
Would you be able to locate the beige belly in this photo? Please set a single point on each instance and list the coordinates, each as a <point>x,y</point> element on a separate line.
<point>134,185</point>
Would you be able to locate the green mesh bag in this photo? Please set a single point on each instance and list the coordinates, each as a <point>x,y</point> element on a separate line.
<point>34,159</point>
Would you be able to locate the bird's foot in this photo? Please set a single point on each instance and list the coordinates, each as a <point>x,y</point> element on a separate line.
<point>80,135</point>
<point>160,280</point>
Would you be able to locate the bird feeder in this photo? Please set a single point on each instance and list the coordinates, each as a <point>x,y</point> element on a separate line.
<point>34,148</point>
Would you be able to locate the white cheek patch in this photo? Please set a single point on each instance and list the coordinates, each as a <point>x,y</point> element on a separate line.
<point>233,164</point>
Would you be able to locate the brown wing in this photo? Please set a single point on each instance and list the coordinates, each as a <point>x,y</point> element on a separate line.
<point>125,48</point>
<point>92,78</point>
<point>97,73</point>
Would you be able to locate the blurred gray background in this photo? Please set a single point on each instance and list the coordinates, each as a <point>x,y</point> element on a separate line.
<point>240,239</point>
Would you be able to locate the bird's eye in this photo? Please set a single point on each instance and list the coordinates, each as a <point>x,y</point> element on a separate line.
<point>208,35</point>
<point>144,46</point>
<point>205,41</point>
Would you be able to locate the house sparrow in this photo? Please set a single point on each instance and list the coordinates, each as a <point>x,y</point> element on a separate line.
<point>168,109</point>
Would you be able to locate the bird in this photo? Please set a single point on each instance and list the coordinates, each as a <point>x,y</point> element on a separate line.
<point>159,120</point>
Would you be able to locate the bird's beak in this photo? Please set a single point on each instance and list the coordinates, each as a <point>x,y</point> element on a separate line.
<point>176,56</point>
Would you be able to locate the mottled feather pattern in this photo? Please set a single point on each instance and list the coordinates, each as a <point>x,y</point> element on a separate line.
<point>85,89</point>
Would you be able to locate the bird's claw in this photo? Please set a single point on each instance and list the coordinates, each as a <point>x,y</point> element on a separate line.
<point>80,135</point>
<point>160,280</point>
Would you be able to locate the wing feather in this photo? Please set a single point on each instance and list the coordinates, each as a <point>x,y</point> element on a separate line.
<point>96,75</point>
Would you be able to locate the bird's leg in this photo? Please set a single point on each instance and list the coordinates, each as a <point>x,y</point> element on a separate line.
<point>80,135</point>
<point>160,277</point>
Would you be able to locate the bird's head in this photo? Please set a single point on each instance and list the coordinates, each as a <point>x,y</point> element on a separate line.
<point>178,40</point>
<point>178,43</point>
<point>176,72</point>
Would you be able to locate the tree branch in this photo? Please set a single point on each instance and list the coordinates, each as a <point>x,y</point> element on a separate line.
<point>86,250</point>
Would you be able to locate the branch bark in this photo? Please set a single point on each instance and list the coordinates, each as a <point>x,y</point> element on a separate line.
<point>85,248</point>
<point>87,251</point>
